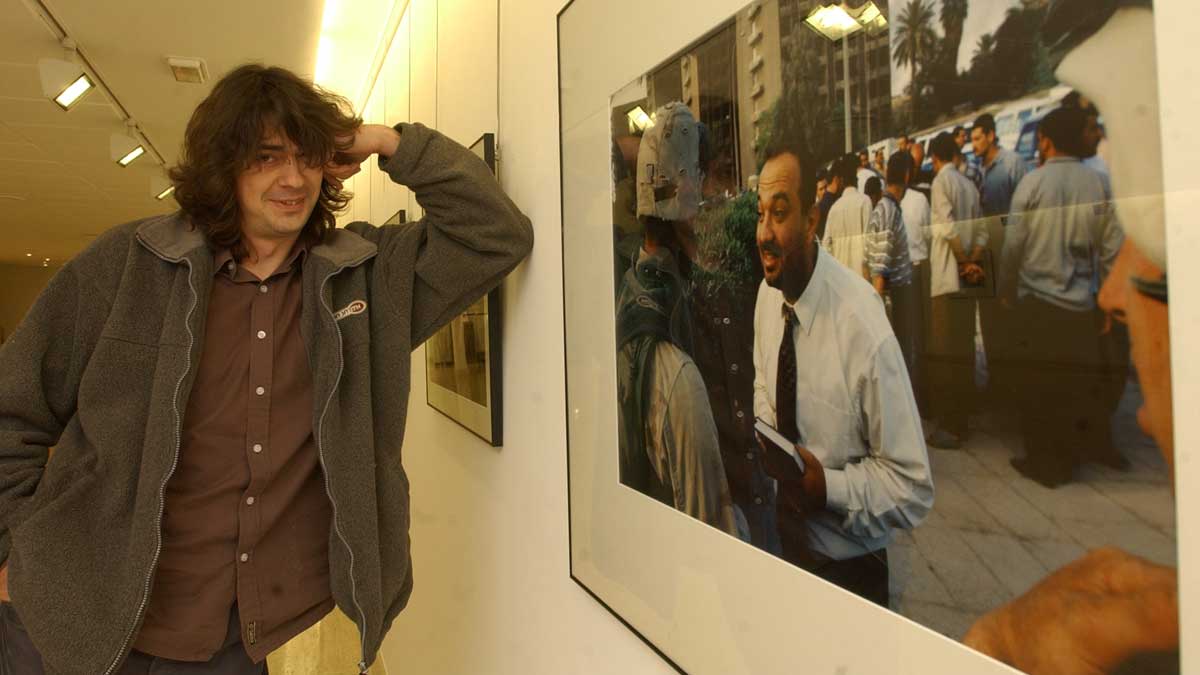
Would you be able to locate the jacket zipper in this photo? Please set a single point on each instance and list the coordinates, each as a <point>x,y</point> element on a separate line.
<point>162,490</point>
<point>362,665</point>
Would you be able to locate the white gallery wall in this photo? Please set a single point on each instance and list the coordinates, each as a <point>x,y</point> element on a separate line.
<point>489,527</point>
<point>490,533</point>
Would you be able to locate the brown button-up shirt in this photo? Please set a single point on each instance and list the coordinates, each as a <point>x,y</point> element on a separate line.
<point>246,517</point>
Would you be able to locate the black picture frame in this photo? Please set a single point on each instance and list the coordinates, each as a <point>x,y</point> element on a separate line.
<point>484,418</point>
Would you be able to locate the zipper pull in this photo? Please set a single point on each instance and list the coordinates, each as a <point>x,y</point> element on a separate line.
<point>252,632</point>
<point>362,668</point>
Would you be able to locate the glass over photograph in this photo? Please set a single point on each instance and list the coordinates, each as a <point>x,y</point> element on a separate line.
<point>891,305</point>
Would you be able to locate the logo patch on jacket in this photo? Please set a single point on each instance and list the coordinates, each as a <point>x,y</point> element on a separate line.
<point>356,307</point>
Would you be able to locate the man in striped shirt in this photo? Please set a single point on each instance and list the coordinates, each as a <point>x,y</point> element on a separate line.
<point>888,260</point>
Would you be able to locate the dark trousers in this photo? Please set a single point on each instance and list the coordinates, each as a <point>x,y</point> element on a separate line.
<point>865,576</point>
<point>1063,389</point>
<point>18,655</point>
<point>950,360</point>
<point>906,324</point>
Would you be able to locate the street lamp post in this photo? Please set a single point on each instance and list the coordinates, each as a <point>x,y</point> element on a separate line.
<point>839,22</point>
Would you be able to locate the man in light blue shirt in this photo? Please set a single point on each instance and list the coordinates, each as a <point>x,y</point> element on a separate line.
<point>1003,170</point>
<point>1060,242</point>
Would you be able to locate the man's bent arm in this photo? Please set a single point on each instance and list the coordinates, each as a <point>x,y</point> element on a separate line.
<point>892,487</point>
<point>39,382</point>
<point>470,237</point>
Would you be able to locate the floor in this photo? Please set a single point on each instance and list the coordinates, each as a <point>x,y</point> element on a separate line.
<point>993,533</point>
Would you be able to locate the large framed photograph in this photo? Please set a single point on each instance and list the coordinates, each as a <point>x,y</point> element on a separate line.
<point>463,359</point>
<point>865,320</point>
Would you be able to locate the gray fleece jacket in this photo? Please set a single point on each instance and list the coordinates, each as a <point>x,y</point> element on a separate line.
<point>102,366</point>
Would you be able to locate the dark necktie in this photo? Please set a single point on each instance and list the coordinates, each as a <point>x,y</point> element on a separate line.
<point>785,381</point>
<point>789,500</point>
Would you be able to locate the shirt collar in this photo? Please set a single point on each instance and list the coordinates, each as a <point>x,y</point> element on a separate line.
<point>805,309</point>
<point>223,262</point>
<point>948,166</point>
<point>1062,159</point>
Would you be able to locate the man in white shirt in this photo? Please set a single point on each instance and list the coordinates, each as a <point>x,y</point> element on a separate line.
<point>914,211</point>
<point>959,237</point>
<point>864,172</point>
<point>846,226</point>
<point>829,374</point>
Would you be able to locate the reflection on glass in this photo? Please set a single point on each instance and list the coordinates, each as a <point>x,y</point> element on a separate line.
<point>908,250</point>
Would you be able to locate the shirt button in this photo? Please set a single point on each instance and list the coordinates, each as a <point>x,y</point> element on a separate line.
<point>740,414</point>
<point>725,321</point>
<point>716,321</point>
<point>257,447</point>
<point>262,334</point>
<point>733,368</point>
<point>245,557</point>
<point>260,391</point>
<point>250,501</point>
<point>262,289</point>
<point>757,500</point>
<point>750,456</point>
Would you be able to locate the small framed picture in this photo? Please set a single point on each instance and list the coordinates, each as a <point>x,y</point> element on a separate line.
<point>463,359</point>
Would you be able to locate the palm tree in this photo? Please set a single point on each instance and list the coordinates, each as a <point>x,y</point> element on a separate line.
<point>915,41</point>
<point>983,49</point>
<point>954,15</point>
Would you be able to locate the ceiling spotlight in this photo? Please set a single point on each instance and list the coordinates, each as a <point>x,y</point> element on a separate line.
<point>28,255</point>
<point>64,82</point>
<point>132,155</point>
<point>638,119</point>
<point>126,148</point>
<point>160,187</point>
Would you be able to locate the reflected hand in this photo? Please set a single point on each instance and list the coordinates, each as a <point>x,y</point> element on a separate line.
<point>1086,618</point>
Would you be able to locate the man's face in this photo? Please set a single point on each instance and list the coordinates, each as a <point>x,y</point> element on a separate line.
<point>278,191</point>
<point>960,137</point>
<point>982,141</point>
<point>784,233</point>
<point>902,146</point>
<point>863,160</point>
<point>821,186</point>
<point>1091,136</point>
<point>1149,342</point>
<point>918,154</point>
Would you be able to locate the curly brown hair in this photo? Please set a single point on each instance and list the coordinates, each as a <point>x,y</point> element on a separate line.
<point>222,141</point>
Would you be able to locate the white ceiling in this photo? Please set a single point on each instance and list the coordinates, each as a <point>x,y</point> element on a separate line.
<point>58,185</point>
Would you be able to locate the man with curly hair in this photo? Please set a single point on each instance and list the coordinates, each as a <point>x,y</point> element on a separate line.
<point>225,391</point>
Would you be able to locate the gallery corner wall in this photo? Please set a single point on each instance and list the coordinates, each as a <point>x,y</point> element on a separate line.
<point>489,531</point>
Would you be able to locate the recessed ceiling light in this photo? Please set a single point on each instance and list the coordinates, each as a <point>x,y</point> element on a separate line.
<point>131,155</point>
<point>189,70</point>
<point>28,255</point>
<point>165,193</point>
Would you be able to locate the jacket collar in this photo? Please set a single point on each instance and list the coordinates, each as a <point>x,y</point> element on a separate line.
<point>172,238</point>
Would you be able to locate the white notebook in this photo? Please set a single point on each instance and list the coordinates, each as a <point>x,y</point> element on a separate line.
<point>772,434</point>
